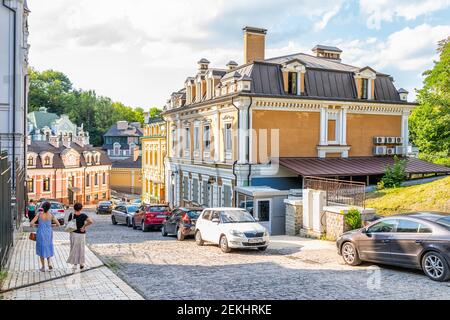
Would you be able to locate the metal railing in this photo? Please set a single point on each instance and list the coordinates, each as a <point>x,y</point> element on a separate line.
<point>340,192</point>
<point>6,217</point>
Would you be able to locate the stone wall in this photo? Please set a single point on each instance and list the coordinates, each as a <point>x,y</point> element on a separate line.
<point>294,216</point>
<point>335,222</point>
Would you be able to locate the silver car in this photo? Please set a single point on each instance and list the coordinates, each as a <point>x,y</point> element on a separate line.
<point>123,213</point>
<point>57,209</point>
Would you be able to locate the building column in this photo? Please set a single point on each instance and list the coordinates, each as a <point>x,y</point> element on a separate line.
<point>405,131</point>
<point>343,126</point>
<point>324,125</point>
<point>217,136</point>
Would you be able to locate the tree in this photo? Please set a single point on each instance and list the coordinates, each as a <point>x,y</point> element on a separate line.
<point>430,121</point>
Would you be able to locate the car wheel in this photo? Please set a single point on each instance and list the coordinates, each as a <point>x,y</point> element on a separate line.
<point>113,219</point>
<point>143,227</point>
<point>350,255</point>
<point>435,266</point>
<point>163,231</point>
<point>224,244</point>
<point>133,225</point>
<point>262,248</point>
<point>198,238</point>
<point>128,222</point>
<point>180,235</point>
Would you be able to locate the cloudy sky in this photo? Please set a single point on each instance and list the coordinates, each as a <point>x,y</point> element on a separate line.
<point>139,51</point>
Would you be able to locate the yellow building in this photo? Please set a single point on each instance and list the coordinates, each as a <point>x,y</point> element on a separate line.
<point>126,176</point>
<point>153,154</point>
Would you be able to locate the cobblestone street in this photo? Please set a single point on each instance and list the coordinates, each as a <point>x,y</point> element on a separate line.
<point>291,268</point>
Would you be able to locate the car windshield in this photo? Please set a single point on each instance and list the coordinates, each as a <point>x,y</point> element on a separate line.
<point>105,203</point>
<point>56,206</point>
<point>157,209</point>
<point>236,216</point>
<point>132,208</point>
<point>193,214</point>
<point>444,222</point>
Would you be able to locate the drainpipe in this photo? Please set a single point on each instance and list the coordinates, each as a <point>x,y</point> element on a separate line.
<point>13,164</point>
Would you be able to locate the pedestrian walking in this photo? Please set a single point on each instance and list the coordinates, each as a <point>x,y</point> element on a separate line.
<point>78,237</point>
<point>31,210</point>
<point>44,235</point>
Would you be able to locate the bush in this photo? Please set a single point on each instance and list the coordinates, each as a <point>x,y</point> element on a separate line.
<point>353,219</point>
<point>394,175</point>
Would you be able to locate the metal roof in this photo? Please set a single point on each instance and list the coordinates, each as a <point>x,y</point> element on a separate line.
<point>385,90</point>
<point>131,131</point>
<point>314,62</point>
<point>328,48</point>
<point>356,166</point>
<point>330,84</point>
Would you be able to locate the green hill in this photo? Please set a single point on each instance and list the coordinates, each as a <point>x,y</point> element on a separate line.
<point>434,196</point>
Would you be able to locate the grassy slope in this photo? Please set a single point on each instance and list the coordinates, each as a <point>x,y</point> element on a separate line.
<point>433,196</point>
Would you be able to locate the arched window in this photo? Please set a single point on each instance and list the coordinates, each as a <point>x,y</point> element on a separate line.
<point>30,161</point>
<point>46,161</point>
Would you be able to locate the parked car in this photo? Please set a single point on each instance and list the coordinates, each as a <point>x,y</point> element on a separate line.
<point>181,222</point>
<point>230,228</point>
<point>136,201</point>
<point>123,213</point>
<point>150,216</point>
<point>104,207</point>
<point>419,240</point>
<point>57,209</point>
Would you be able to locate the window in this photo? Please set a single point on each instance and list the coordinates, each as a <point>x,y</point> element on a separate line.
<point>444,222</point>
<point>195,191</point>
<point>364,88</point>
<point>332,130</point>
<point>104,177</point>
<point>292,82</point>
<point>196,138</point>
<point>424,229</point>
<point>185,188</point>
<point>174,139</point>
<point>96,179</point>
<point>88,180</point>
<point>47,161</point>
<point>30,185</point>
<point>205,191</point>
<point>70,181</point>
<point>207,137</point>
<point>207,215</point>
<point>227,196</point>
<point>46,185</point>
<point>30,161</point>
<point>388,225</point>
<point>264,210</point>
<point>88,198</point>
<point>96,196</point>
<point>187,138</point>
<point>228,138</point>
<point>407,226</point>
<point>104,195</point>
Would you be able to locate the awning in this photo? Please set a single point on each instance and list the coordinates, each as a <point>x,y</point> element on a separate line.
<point>357,166</point>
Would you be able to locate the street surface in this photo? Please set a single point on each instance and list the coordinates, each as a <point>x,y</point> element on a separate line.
<point>292,268</point>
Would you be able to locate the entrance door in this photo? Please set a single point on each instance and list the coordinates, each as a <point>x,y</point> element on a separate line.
<point>70,195</point>
<point>264,208</point>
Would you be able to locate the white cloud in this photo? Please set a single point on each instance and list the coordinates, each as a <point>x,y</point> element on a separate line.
<point>327,16</point>
<point>377,11</point>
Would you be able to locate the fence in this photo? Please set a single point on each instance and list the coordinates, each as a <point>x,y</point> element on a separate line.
<point>6,218</point>
<point>339,191</point>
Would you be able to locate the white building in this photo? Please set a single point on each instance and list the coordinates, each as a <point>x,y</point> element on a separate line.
<point>13,94</point>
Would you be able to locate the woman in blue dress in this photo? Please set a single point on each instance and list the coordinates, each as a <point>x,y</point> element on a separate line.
<point>44,235</point>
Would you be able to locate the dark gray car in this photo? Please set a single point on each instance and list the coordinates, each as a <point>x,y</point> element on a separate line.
<point>419,240</point>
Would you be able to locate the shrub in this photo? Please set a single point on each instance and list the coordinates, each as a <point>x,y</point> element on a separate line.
<point>395,174</point>
<point>353,219</point>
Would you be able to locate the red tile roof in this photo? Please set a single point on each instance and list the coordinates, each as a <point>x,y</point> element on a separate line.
<point>357,166</point>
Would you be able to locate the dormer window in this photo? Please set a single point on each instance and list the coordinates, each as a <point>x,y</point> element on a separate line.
<point>46,161</point>
<point>30,161</point>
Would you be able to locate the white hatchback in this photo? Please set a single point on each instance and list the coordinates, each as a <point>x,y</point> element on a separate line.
<point>230,228</point>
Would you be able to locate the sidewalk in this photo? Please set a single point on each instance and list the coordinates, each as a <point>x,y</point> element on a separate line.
<point>25,281</point>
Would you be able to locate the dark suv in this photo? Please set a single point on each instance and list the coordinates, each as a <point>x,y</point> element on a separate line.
<point>181,222</point>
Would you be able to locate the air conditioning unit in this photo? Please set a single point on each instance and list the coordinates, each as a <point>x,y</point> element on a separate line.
<point>390,151</point>
<point>379,150</point>
<point>378,140</point>
<point>399,140</point>
<point>390,140</point>
<point>400,150</point>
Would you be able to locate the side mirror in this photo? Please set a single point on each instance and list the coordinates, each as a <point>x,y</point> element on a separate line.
<point>215,220</point>
<point>364,231</point>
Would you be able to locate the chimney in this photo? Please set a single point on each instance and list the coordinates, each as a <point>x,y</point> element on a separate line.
<point>254,44</point>
<point>231,65</point>
<point>54,141</point>
<point>327,52</point>
<point>79,140</point>
<point>203,65</point>
<point>66,141</point>
<point>122,125</point>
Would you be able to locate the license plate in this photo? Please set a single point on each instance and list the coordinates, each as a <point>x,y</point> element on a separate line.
<point>255,240</point>
<point>161,216</point>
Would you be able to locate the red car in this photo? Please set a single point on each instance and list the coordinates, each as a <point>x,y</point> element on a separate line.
<point>150,216</point>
